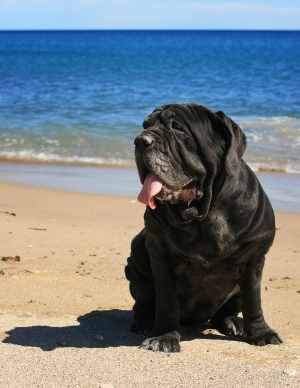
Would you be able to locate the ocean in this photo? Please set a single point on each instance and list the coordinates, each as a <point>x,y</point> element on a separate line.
<point>80,97</point>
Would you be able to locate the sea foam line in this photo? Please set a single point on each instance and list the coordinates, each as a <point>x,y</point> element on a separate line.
<point>26,156</point>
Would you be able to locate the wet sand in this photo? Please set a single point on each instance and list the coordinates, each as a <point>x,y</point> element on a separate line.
<point>283,189</point>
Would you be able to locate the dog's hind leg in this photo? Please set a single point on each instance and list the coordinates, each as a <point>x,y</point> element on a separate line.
<point>138,272</point>
<point>226,320</point>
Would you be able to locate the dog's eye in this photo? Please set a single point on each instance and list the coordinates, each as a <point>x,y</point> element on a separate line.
<point>179,130</point>
<point>177,126</point>
<point>182,135</point>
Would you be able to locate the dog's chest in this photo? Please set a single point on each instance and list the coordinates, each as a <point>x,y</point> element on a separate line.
<point>207,242</point>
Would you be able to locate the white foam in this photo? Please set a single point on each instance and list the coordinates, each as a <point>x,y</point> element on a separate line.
<point>286,126</point>
<point>52,142</point>
<point>33,156</point>
<point>284,167</point>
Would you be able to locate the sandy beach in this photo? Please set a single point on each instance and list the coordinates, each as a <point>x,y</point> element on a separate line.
<point>65,305</point>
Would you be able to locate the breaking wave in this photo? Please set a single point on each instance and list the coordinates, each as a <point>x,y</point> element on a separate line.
<point>273,145</point>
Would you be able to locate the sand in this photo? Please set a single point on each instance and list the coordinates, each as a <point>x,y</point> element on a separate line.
<point>62,257</point>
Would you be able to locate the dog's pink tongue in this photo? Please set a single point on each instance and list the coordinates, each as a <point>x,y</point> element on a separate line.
<point>151,187</point>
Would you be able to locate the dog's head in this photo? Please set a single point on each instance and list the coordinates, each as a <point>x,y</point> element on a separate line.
<point>183,149</point>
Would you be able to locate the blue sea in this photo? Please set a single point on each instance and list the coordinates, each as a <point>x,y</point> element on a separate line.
<point>80,97</point>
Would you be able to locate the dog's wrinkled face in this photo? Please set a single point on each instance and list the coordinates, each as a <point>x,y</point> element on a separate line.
<point>168,163</point>
<point>181,153</point>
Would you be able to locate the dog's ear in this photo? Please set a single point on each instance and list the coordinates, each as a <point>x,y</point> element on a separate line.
<point>235,139</point>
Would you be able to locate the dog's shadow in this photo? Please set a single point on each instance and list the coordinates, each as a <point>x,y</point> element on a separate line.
<point>97,329</point>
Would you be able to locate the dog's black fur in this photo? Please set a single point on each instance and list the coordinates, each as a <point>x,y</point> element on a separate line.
<point>199,260</point>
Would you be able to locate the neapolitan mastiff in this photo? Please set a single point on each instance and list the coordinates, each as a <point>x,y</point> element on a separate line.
<point>208,227</point>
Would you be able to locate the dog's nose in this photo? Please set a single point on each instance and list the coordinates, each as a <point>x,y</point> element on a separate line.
<point>143,140</point>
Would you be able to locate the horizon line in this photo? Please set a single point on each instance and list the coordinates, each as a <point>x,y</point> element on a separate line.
<point>149,29</point>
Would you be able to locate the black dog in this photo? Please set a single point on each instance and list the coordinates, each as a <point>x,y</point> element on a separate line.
<point>208,227</point>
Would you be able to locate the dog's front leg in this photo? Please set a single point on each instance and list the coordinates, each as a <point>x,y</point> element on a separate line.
<point>165,336</point>
<point>257,330</point>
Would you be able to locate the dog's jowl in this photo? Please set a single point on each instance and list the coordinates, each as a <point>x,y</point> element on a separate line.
<point>208,227</point>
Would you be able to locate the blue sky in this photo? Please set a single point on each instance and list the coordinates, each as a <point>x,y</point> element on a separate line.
<point>106,14</point>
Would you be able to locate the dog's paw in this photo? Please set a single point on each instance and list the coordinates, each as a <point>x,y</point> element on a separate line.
<point>232,326</point>
<point>268,338</point>
<point>168,343</point>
